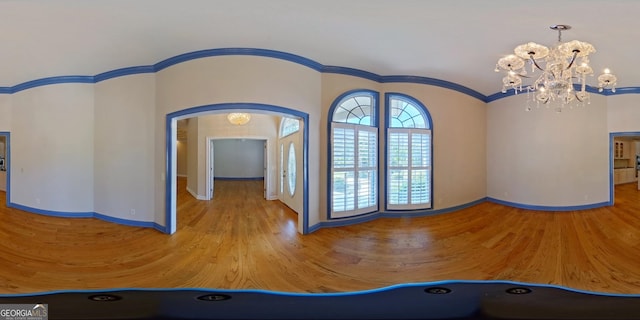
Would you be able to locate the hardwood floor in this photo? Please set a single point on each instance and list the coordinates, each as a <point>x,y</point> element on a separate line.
<point>240,241</point>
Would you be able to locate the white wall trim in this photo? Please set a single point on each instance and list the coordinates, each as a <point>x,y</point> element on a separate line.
<point>195,195</point>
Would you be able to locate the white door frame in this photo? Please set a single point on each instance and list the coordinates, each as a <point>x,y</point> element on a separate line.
<point>209,162</point>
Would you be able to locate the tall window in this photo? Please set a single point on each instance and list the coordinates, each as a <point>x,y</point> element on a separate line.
<point>408,154</point>
<point>354,155</point>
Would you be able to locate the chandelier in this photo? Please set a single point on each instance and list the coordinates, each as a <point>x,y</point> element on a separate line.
<point>562,80</point>
<point>238,118</point>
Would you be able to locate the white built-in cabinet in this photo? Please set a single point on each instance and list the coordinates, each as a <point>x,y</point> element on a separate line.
<point>622,150</point>
<point>625,175</point>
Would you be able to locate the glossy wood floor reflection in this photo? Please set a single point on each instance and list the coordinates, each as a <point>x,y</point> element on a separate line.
<point>240,241</point>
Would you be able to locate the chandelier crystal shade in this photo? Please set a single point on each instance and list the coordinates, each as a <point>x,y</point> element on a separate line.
<point>563,72</point>
<point>238,118</point>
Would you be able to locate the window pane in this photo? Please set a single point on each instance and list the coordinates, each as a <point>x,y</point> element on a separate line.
<point>420,186</point>
<point>367,148</point>
<point>367,186</point>
<point>420,150</point>
<point>343,191</point>
<point>355,110</point>
<point>404,114</point>
<point>291,167</point>
<point>398,149</point>
<point>398,186</point>
<point>344,148</point>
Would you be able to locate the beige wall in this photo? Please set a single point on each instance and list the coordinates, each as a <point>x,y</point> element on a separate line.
<point>181,149</point>
<point>193,154</point>
<point>544,158</point>
<point>123,147</point>
<point>74,146</point>
<point>623,113</point>
<point>5,112</point>
<point>52,145</point>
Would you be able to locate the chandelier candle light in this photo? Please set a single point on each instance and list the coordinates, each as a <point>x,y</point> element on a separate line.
<point>559,67</point>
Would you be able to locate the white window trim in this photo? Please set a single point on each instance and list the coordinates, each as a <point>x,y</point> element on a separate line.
<point>410,168</point>
<point>355,169</point>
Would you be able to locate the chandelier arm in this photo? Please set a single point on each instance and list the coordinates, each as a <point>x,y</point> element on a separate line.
<point>577,97</point>
<point>534,62</point>
<point>573,59</point>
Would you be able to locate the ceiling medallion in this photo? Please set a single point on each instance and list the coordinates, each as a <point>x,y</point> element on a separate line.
<point>562,80</point>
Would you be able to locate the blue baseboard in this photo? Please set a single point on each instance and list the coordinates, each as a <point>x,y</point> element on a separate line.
<point>549,208</point>
<point>126,222</point>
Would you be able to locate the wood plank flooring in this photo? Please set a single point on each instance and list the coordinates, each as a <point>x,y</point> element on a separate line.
<point>241,241</point>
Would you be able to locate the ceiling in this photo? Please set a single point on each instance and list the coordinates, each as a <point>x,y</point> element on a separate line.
<point>453,40</point>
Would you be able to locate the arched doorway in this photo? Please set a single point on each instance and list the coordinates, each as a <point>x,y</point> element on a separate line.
<point>170,153</point>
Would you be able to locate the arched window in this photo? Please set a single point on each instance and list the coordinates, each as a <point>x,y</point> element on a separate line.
<point>289,126</point>
<point>409,171</point>
<point>353,155</point>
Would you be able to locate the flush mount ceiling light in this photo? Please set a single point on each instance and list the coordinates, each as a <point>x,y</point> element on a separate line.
<point>238,118</point>
<point>563,77</point>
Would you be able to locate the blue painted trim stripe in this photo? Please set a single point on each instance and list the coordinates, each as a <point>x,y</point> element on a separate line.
<point>352,72</point>
<point>123,72</point>
<point>330,294</point>
<point>283,56</point>
<point>99,216</point>
<point>590,89</point>
<point>435,82</point>
<point>52,80</point>
<point>549,208</point>
<point>347,221</point>
<point>237,51</point>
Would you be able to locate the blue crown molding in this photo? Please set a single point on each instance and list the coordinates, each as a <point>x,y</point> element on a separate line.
<point>235,52</point>
<point>123,72</point>
<point>51,80</point>
<point>590,89</point>
<point>352,72</point>
<point>283,56</point>
<point>437,83</point>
